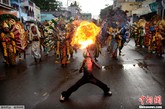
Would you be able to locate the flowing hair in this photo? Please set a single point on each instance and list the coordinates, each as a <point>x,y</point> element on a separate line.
<point>30,32</point>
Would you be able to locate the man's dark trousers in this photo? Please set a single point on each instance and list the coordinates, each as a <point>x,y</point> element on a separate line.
<point>87,78</point>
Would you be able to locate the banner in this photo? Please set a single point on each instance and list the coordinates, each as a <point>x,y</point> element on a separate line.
<point>153,6</point>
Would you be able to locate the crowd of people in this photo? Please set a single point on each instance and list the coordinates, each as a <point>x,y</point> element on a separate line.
<point>56,36</point>
<point>150,34</point>
<point>52,36</point>
<point>13,40</point>
<point>116,39</point>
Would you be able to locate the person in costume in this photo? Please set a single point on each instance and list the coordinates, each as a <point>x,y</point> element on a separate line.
<point>147,35</point>
<point>109,39</point>
<point>35,39</point>
<point>153,42</point>
<point>141,36</point>
<point>57,50</point>
<point>59,45</point>
<point>97,48</point>
<point>115,43</point>
<point>123,37</point>
<point>21,37</point>
<point>49,41</point>
<point>50,36</point>
<point>0,40</point>
<point>63,50</point>
<point>135,33</point>
<point>158,41</point>
<point>69,34</point>
<point>86,68</point>
<point>151,36</point>
<point>8,45</point>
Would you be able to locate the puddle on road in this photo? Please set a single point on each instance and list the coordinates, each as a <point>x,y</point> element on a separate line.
<point>143,65</point>
<point>126,66</point>
<point>113,66</point>
<point>129,66</point>
<point>120,66</point>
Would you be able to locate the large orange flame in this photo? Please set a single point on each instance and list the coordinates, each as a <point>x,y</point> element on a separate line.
<point>85,34</point>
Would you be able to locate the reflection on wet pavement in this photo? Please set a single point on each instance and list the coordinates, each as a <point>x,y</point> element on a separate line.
<point>12,72</point>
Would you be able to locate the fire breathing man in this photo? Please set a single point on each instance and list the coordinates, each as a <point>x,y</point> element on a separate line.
<point>88,77</point>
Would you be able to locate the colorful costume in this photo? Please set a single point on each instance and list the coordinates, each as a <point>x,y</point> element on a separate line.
<point>158,40</point>
<point>20,37</point>
<point>115,43</point>
<point>97,50</point>
<point>63,53</point>
<point>141,36</point>
<point>9,46</point>
<point>109,39</point>
<point>147,35</point>
<point>123,38</point>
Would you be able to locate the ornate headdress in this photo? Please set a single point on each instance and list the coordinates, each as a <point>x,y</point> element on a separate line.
<point>5,25</point>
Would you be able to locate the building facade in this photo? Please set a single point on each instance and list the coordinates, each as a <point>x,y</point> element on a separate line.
<point>86,16</point>
<point>6,8</point>
<point>130,6</point>
<point>148,6</point>
<point>46,16</point>
<point>74,10</point>
<point>119,3</point>
<point>37,13</point>
<point>26,10</point>
<point>5,4</point>
<point>137,7</point>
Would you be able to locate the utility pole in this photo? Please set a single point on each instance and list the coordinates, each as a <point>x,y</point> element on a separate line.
<point>163,4</point>
<point>19,2</point>
<point>67,3</point>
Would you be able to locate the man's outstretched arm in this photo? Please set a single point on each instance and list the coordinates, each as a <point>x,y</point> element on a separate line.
<point>96,64</point>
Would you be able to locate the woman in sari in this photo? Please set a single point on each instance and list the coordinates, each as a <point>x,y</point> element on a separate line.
<point>35,39</point>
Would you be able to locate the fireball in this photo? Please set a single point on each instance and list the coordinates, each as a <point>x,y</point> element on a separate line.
<point>85,34</point>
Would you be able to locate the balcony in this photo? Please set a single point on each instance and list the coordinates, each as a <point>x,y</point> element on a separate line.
<point>5,4</point>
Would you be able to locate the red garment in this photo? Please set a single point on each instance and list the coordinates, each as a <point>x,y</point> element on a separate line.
<point>88,64</point>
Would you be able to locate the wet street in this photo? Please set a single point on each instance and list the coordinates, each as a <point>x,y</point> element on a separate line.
<point>134,74</point>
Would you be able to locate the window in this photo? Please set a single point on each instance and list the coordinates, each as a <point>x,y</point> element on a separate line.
<point>5,2</point>
<point>140,0</point>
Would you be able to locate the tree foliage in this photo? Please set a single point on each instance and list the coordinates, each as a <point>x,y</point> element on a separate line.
<point>104,13</point>
<point>48,5</point>
<point>114,17</point>
<point>74,4</point>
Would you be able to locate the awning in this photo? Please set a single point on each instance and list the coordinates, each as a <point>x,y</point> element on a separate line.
<point>9,12</point>
<point>152,7</point>
<point>142,11</point>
